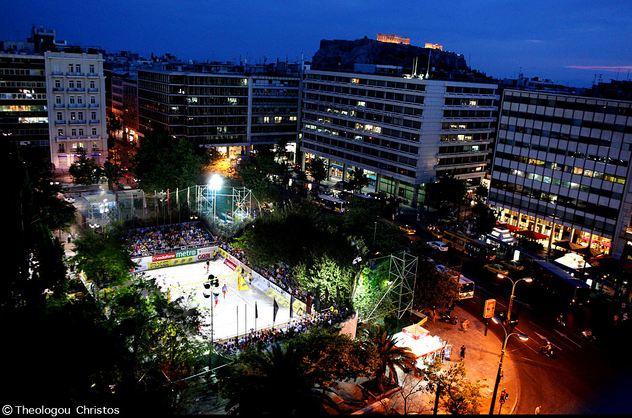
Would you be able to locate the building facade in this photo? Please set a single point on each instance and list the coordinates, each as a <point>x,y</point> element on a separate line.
<point>122,103</point>
<point>404,132</point>
<point>23,102</point>
<point>75,86</point>
<point>230,111</point>
<point>562,168</point>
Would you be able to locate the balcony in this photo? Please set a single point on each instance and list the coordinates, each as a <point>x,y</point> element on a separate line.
<point>93,105</point>
<point>79,89</point>
<point>77,122</point>
<point>60,122</point>
<point>59,106</point>
<point>93,90</point>
<point>92,75</point>
<point>62,137</point>
<point>60,89</point>
<point>57,73</point>
<point>77,105</point>
<point>94,121</point>
<point>94,137</point>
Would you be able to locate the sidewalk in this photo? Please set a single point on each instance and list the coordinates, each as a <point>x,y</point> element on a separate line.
<point>481,357</point>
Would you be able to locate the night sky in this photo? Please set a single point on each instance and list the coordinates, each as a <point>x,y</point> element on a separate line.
<point>543,37</point>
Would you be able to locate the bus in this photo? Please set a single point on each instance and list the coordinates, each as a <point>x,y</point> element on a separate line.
<point>560,286</point>
<point>469,246</point>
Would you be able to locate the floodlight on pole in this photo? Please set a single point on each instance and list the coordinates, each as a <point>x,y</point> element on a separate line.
<point>215,184</point>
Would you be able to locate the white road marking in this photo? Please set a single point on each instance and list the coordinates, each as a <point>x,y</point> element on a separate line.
<point>565,336</point>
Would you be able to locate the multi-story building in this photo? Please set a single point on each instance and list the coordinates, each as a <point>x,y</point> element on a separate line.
<point>75,87</point>
<point>122,102</point>
<point>23,106</point>
<point>404,132</point>
<point>226,110</point>
<point>562,169</point>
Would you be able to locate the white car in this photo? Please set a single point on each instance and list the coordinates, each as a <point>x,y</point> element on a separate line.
<point>438,245</point>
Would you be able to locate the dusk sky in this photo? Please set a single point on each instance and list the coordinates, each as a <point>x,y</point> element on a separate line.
<point>499,37</point>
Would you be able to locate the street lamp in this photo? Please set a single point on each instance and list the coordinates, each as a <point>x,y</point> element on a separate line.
<point>522,337</point>
<point>215,184</point>
<point>513,291</point>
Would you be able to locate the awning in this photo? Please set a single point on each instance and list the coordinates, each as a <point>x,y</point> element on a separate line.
<point>532,235</point>
<point>574,261</point>
<point>511,228</point>
<point>577,248</point>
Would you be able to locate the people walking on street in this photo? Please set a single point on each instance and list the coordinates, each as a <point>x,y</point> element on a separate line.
<point>208,265</point>
<point>537,410</point>
<point>224,290</point>
<point>462,352</point>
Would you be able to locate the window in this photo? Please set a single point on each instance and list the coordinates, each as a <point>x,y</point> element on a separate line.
<point>232,100</point>
<point>78,68</point>
<point>70,68</point>
<point>93,100</point>
<point>355,80</point>
<point>71,84</point>
<point>80,131</point>
<point>278,119</point>
<point>94,131</point>
<point>93,116</point>
<point>266,119</point>
<point>79,84</point>
<point>57,84</point>
<point>60,116</point>
<point>62,148</point>
<point>92,85</point>
<point>361,103</point>
<point>60,132</point>
<point>79,99</point>
<point>80,115</point>
<point>57,99</point>
<point>73,116</point>
<point>71,99</point>
<point>74,132</point>
<point>91,68</point>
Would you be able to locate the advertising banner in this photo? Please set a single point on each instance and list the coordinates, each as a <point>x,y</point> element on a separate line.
<point>173,258</point>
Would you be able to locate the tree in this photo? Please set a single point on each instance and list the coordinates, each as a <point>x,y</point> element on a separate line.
<point>434,290</point>
<point>445,192</point>
<point>274,381</point>
<point>481,192</point>
<point>317,170</point>
<point>330,356</point>
<point>163,162</point>
<point>453,390</point>
<point>103,257</point>
<point>262,174</point>
<point>85,170</point>
<point>485,218</point>
<point>330,282</point>
<point>369,291</point>
<point>389,356</point>
<point>359,180</point>
<point>112,171</point>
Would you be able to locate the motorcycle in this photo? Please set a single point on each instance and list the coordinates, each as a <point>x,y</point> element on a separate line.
<point>547,350</point>
<point>449,319</point>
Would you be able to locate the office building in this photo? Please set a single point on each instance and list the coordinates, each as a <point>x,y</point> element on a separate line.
<point>75,87</point>
<point>403,131</point>
<point>220,106</point>
<point>23,105</point>
<point>562,169</point>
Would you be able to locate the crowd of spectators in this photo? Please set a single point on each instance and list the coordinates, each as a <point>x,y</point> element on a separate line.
<point>280,274</point>
<point>264,338</point>
<point>152,240</point>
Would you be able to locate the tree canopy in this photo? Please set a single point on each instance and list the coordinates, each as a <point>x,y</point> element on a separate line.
<point>163,162</point>
<point>85,170</point>
<point>445,192</point>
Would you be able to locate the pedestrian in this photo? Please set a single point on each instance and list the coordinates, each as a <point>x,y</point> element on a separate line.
<point>216,299</point>
<point>537,410</point>
<point>224,290</point>
<point>462,352</point>
<point>208,265</point>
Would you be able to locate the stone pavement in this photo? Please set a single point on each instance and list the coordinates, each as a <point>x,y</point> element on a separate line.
<point>482,354</point>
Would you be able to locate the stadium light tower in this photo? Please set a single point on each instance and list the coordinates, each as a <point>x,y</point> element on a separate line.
<point>215,184</point>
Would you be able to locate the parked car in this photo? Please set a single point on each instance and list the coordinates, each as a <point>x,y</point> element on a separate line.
<point>438,245</point>
<point>409,230</point>
<point>496,269</point>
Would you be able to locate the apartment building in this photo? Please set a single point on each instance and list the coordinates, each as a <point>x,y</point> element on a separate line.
<point>404,132</point>
<point>231,111</point>
<point>562,169</point>
<point>75,86</point>
<point>23,105</point>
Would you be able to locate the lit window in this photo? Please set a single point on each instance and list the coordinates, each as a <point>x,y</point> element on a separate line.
<point>278,119</point>
<point>361,103</point>
<point>355,80</point>
<point>231,100</point>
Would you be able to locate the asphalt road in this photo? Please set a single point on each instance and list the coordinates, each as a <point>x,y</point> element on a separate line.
<point>575,381</point>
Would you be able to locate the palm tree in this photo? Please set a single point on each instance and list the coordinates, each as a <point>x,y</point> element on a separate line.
<point>389,355</point>
<point>272,381</point>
